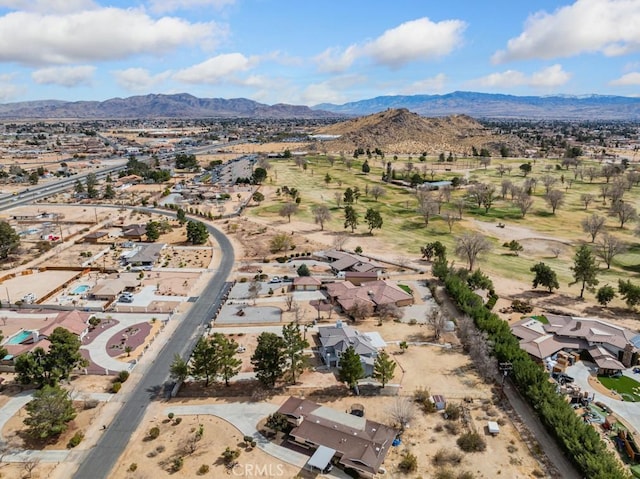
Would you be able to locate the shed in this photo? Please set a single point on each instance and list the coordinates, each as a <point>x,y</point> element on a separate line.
<point>321,458</point>
<point>439,401</point>
<point>493,428</point>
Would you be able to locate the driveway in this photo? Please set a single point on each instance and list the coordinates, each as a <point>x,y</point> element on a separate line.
<point>630,411</point>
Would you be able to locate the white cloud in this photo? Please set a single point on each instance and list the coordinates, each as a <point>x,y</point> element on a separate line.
<point>48,6</point>
<point>322,92</point>
<point>173,5</point>
<point>632,78</point>
<point>9,90</point>
<point>416,40</point>
<point>103,34</point>
<point>139,79</point>
<point>549,77</point>
<point>552,76</point>
<point>64,76</point>
<point>215,69</point>
<point>605,26</point>
<point>434,84</point>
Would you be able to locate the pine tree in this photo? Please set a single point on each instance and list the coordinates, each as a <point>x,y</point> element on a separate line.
<point>585,269</point>
<point>204,361</point>
<point>351,369</point>
<point>227,364</point>
<point>383,368</point>
<point>350,218</point>
<point>294,346</point>
<point>269,360</point>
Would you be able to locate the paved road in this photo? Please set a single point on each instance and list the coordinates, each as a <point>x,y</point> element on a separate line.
<point>102,458</point>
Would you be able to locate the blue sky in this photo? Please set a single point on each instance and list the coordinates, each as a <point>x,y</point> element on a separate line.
<point>304,52</point>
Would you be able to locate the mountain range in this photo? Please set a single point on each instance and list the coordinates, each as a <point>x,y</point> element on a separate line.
<point>488,105</point>
<point>477,105</point>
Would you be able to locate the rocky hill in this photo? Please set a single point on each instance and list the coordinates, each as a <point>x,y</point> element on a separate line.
<point>404,132</point>
<point>489,105</point>
<point>156,106</point>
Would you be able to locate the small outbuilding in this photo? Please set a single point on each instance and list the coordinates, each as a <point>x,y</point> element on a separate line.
<point>439,401</point>
<point>493,428</point>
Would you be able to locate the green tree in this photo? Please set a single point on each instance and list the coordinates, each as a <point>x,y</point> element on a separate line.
<point>204,361</point>
<point>605,295</point>
<point>350,218</point>
<point>257,197</point>
<point>197,232</point>
<point>514,246</point>
<point>294,346</point>
<point>109,192</point>
<point>34,177</point>
<point>365,167</point>
<point>181,216</point>
<point>226,349</point>
<point>585,269</point>
<point>64,353</point>
<point>280,242</point>
<point>303,270</point>
<point>49,412</point>
<point>9,240</point>
<point>259,175</point>
<point>179,369</point>
<point>351,370</point>
<point>373,219</point>
<point>383,368</point>
<point>630,293</point>
<point>91,181</point>
<point>152,230</point>
<point>545,276</point>
<point>78,187</point>
<point>186,161</point>
<point>525,168</point>
<point>435,248</point>
<point>348,197</point>
<point>327,178</point>
<point>269,360</point>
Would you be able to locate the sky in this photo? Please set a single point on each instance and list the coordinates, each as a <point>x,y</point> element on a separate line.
<point>309,52</point>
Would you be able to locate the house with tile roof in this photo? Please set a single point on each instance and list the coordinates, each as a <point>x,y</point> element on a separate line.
<point>345,439</point>
<point>613,348</point>
<point>374,293</point>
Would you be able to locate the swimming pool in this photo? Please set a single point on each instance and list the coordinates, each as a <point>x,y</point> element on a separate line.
<point>80,289</point>
<point>18,338</point>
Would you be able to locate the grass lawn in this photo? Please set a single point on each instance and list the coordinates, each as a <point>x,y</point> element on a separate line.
<point>628,388</point>
<point>541,318</point>
<point>406,289</point>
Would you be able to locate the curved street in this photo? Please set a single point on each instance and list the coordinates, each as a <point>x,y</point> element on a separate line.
<point>154,384</point>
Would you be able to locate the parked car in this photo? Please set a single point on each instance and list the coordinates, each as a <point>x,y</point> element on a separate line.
<point>275,279</point>
<point>29,298</point>
<point>126,298</point>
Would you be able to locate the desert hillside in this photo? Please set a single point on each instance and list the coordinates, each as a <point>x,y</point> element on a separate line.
<point>403,132</point>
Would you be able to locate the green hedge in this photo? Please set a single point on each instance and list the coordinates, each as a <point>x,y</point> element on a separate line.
<point>580,441</point>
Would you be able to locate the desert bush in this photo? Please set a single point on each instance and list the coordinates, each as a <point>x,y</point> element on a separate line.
<point>160,448</point>
<point>133,467</point>
<point>91,404</point>
<point>202,470</point>
<point>471,442</point>
<point>177,421</point>
<point>438,428</point>
<point>409,462</point>
<point>154,432</point>
<point>466,475</point>
<point>446,456</point>
<point>229,455</point>
<point>123,376</point>
<point>177,464</point>
<point>452,428</point>
<point>75,440</point>
<point>444,474</point>
<point>453,411</point>
<point>522,307</point>
<point>170,416</point>
<point>115,387</point>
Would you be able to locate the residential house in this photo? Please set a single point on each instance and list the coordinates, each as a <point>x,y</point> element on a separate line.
<point>110,288</point>
<point>334,341</point>
<point>134,232</point>
<point>342,438</point>
<point>306,283</point>
<point>144,254</point>
<point>342,261</point>
<point>611,347</point>
<point>94,237</point>
<point>375,293</point>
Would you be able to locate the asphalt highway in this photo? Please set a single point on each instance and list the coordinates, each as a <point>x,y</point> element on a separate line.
<point>156,384</point>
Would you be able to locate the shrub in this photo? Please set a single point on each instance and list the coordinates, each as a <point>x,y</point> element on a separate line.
<point>444,474</point>
<point>452,427</point>
<point>75,440</point>
<point>446,456</point>
<point>91,403</point>
<point>471,442</point>
<point>248,439</point>
<point>409,462</point>
<point>203,470</point>
<point>453,411</point>
<point>123,376</point>
<point>522,307</point>
<point>170,416</point>
<point>115,387</point>
<point>466,475</point>
<point>154,432</point>
<point>177,421</point>
<point>132,467</point>
<point>177,464</point>
<point>229,455</point>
